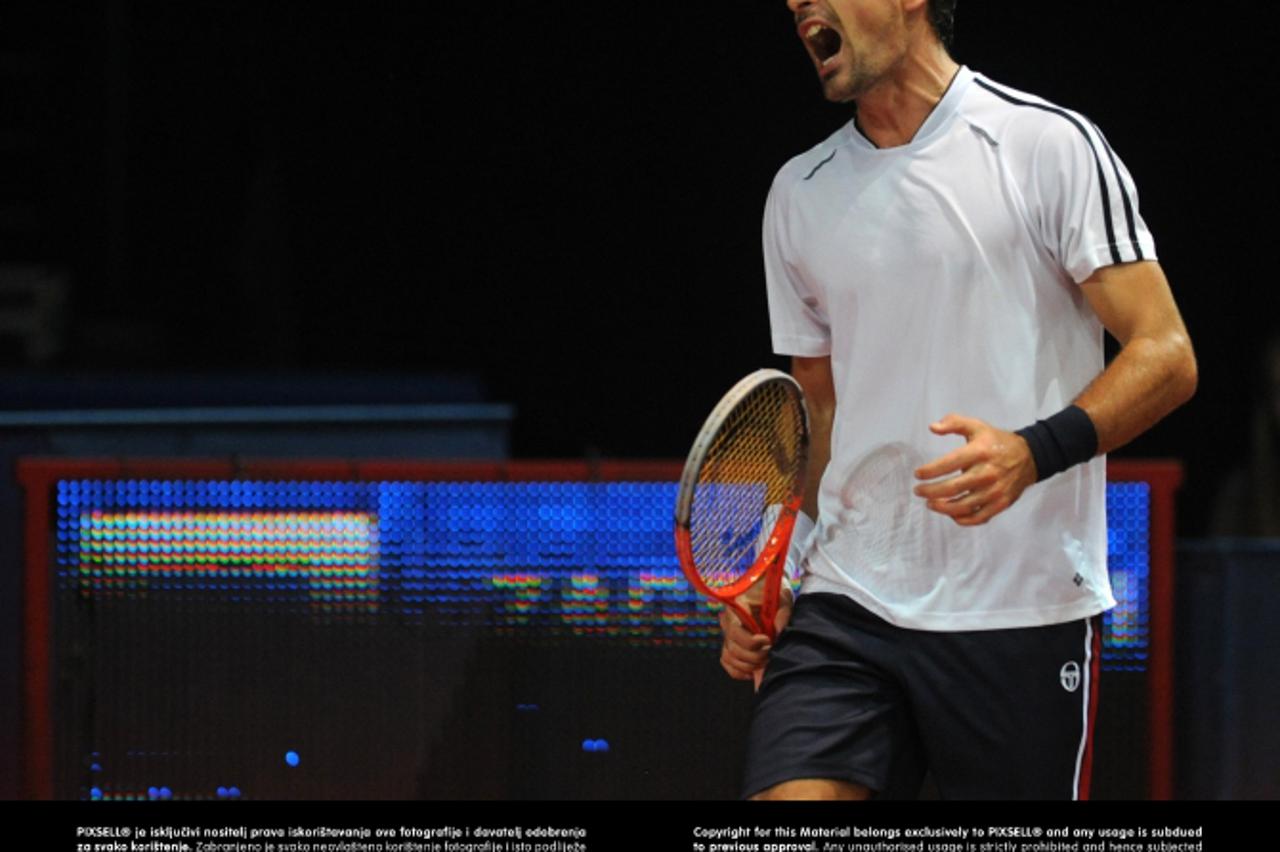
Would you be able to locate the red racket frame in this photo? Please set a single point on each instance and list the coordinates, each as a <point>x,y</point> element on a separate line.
<point>770,564</point>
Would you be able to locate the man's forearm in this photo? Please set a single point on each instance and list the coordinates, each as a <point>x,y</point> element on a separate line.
<point>819,455</point>
<point>1149,378</point>
<point>815,378</point>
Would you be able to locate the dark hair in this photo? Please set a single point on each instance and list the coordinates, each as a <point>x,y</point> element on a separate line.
<point>942,17</point>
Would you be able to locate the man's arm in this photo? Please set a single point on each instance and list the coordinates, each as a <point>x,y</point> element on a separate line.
<point>744,654</point>
<point>1154,373</point>
<point>814,376</point>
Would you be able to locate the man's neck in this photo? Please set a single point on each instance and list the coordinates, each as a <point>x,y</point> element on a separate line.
<point>891,113</point>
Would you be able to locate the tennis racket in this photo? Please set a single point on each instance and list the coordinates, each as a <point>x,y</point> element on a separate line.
<point>739,494</point>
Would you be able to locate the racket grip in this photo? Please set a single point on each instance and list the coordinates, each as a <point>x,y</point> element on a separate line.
<point>762,623</point>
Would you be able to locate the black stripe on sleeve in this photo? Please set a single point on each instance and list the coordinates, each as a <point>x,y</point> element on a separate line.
<point>1124,195</point>
<point>1102,175</point>
<point>820,165</point>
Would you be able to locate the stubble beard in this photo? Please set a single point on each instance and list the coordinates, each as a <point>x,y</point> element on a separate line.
<point>865,65</point>
<point>848,84</point>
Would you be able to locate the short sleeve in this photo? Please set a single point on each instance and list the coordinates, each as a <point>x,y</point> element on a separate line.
<point>1084,200</point>
<point>797,315</point>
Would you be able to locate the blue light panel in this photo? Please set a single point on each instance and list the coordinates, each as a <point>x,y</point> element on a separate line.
<point>532,560</point>
<point>1126,635</point>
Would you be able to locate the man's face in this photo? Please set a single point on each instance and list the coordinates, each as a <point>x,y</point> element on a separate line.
<point>853,43</point>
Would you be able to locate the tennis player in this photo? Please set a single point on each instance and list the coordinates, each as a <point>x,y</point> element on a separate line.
<point>941,269</point>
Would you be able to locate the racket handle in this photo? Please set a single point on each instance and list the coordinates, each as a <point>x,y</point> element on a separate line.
<point>750,616</point>
<point>765,615</point>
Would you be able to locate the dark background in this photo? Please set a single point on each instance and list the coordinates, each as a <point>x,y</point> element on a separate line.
<point>561,199</point>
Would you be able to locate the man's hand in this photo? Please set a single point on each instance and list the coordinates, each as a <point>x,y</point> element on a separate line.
<point>992,470</point>
<point>744,654</point>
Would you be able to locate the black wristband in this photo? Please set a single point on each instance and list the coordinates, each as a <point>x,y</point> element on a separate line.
<point>1065,439</point>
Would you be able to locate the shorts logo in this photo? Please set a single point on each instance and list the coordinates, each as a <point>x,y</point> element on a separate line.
<point>1069,677</point>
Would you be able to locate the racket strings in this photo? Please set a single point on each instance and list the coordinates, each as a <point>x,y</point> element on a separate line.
<point>753,465</point>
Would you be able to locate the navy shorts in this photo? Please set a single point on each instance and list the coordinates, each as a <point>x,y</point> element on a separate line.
<point>988,714</point>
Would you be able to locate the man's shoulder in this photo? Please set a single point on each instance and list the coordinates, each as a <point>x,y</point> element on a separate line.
<point>1014,117</point>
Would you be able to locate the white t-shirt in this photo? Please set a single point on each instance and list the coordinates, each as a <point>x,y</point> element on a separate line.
<point>941,277</point>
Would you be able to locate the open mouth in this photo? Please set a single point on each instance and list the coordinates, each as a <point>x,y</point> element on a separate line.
<point>823,41</point>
